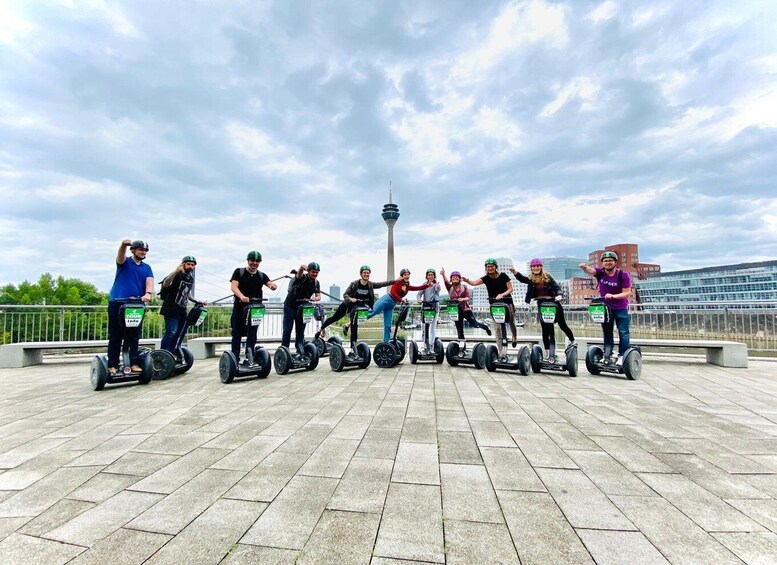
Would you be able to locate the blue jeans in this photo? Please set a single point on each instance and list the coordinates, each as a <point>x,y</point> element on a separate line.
<point>386,305</point>
<point>173,328</point>
<point>621,319</point>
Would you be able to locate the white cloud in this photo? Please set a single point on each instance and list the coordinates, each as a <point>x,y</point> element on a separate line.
<point>268,155</point>
<point>74,189</point>
<point>13,28</point>
<point>604,11</point>
<point>583,88</point>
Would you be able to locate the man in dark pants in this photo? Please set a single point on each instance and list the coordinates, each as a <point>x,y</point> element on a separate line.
<point>247,283</point>
<point>176,293</point>
<point>303,286</point>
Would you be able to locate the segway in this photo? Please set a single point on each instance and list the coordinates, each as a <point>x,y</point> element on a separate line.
<point>324,346</point>
<point>435,354</point>
<point>598,360</point>
<point>131,315</point>
<point>387,354</point>
<point>359,356</point>
<point>306,356</point>
<point>520,361</point>
<point>548,313</point>
<point>163,363</point>
<point>257,359</point>
<point>458,353</point>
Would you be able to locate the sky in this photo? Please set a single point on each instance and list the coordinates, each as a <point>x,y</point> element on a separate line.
<point>506,129</point>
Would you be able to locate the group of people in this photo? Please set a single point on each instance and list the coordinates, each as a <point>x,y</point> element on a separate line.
<point>134,279</point>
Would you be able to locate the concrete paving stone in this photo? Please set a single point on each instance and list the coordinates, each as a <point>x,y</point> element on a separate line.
<point>329,416</point>
<point>233,420</point>
<point>379,443</point>
<point>211,535</point>
<point>10,525</point>
<point>480,413</point>
<point>713,479</point>
<point>307,439</point>
<point>94,437</point>
<point>724,458</point>
<point>701,506</point>
<point>762,511</point>
<point>102,487</point>
<point>241,554</point>
<point>61,512</point>
<point>330,459</point>
<point>366,406</point>
<point>509,470</point>
<point>29,450</point>
<point>519,422</point>
<point>109,451</point>
<point>539,530</point>
<point>416,463</point>
<point>753,547</point>
<point>341,537</point>
<point>46,492</point>
<point>583,504</point>
<point>176,510</point>
<point>19,548</point>
<point>631,456</point>
<point>458,447</point>
<point>35,469</point>
<point>139,464</point>
<point>541,412</point>
<point>421,410</point>
<point>419,430</point>
<point>766,484</point>
<point>363,487</point>
<point>467,494</point>
<point>491,434</point>
<point>180,471</point>
<point>609,475</point>
<point>266,480</point>
<point>678,538</point>
<point>653,442</point>
<point>237,436</point>
<point>289,520</point>
<point>98,522</point>
<point>250,454</point>
<point>452,421</point>
<point>541,451</point>
<point>387,561</point>
<point>351,427</point>
<point>175,444</point>
<point>389,416</point>
<point>567,436</point>
<point>122,547</point>
<point>286,426</point>
<point>749,446</point>
<point>472,543</point>
<point>411,525</point>
<point>614,548</point>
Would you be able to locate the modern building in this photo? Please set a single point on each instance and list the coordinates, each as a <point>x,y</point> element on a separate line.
<point>480,294</point>
<point>728,284</point>
<point>334,292</point>
<point>390,216</point>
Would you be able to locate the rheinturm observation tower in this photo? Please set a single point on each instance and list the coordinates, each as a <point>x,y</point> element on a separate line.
<point>390,216</point>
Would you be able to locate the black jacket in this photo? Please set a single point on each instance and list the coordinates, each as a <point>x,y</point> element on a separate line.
<point>552,286</point>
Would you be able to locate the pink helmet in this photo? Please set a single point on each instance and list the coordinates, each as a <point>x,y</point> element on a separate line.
<point>536,262</point>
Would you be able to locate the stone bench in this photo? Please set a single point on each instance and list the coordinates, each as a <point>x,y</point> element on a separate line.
<point>722,353</point>
<point>24,354</point>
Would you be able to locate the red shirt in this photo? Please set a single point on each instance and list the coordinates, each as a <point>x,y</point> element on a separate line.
<point>400,289</point>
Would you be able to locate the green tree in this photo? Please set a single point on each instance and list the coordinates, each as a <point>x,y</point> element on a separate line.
<point>51,291</point>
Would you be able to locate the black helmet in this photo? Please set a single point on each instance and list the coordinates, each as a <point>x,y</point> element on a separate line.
<point>139,244</point>
<point>404,272</point>
<point>313,265</point>
<point>189,259</point>
<point>254,256</point>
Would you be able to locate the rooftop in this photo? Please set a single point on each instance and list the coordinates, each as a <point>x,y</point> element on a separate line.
<point>426,463</point>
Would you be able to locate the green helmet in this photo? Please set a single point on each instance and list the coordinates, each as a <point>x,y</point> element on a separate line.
<point>254,256</point>
<point>490,261</point>
<point>313,265</point>
<point>609,255</point>
<point>364,268</point>
<point>430,270</point>
<point>189,259</point>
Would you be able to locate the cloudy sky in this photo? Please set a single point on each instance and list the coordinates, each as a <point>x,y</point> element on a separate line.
<point>507,129</point>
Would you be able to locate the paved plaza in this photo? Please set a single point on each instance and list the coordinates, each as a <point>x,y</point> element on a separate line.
<point>421,464</point>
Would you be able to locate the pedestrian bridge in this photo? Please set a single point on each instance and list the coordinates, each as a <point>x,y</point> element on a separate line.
<point>425,463</point>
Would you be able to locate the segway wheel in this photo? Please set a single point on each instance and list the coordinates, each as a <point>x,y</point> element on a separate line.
<point>536,359</point>
<point>451,352</point>
<point>98,373</point>
<point>335,339</point>
<point>413,353</point>
<point>399,347</point>
<point>162,364</point>
<point>282,360</point>
<point>311,352</point>
<point>227,367</point>
<point>439,351</point>
<point>492,354</point>
<point>632,365</point>
<point>571,355</point>
<point>524,360</point>
<point>479,356</point>
<point>592,358</point>
<point>363,350</point>
<point>320,347</point>
<point>148,368</point>
<point>262,357</point>
<point>188,361</point>
<point>337,358</point>
<point>385,355</point>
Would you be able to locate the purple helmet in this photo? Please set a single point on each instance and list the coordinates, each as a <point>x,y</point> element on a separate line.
<point>535,262</point>
<point>455,274</point>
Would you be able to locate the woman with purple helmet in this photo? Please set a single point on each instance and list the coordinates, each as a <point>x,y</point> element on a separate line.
<point>459,294</point>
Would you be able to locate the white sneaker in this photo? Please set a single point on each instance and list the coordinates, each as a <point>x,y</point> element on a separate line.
<point>619,361</point>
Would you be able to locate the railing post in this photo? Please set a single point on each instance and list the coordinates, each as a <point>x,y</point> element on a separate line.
<point>61,324</point>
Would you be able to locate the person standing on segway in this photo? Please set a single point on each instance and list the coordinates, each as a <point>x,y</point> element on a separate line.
<point>541,286</point>
<point>430,296</point>
<point>388,301</point>
<point>133,279</point>
<point>500,289</point>
<point>614,288</point>
<point>247,283</point>
<point>176,293</point>
<point>304,286</point>
<point>459,295</point>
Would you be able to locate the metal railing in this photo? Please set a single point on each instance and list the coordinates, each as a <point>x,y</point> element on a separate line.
<point>753,323</point>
